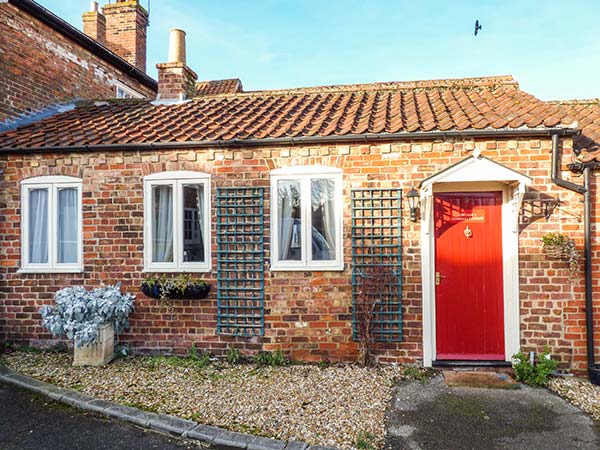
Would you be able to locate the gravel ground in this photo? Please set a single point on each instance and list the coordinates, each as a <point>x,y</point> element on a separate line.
<point>580,392</point>
<point>336,405</point>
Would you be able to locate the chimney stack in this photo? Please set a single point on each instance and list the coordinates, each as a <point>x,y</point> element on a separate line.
<point>176,81</point>
<point>94,24</point>
<point>126,26</point>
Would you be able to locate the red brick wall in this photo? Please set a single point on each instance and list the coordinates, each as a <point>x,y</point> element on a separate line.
<point>307,313</point>
<point>39,67</point>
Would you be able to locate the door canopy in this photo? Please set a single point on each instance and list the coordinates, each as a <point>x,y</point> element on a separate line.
<point>478,169</point>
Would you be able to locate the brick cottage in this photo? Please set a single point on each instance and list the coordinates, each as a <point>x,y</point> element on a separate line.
<point>285,201</point>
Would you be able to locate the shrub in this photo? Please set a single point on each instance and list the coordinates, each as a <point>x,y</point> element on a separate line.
<point>200,358</point>
<point>277,358</point>
<point>536,374</point>
<point>234,356</point>
<point>78,313</point>
<point>373,289</point>
<point>416,373</point>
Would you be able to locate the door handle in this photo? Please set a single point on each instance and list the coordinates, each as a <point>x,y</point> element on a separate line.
<point>437,278</point>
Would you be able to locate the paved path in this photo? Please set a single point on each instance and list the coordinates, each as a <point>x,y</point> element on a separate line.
<point>33,422</point>
<point>434,416</point>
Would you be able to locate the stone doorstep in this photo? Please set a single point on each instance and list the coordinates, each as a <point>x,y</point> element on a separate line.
<point>188,429</point>
<point>479,379</point>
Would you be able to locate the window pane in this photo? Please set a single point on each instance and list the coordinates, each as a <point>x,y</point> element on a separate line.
<point>290,223</point>
<point>67,225</point>
<point>38,226</point>
<point>193,223</point>
<point>162,223</point>
<point>323,219</point>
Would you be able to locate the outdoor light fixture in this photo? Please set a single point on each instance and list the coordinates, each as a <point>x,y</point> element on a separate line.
<point>413,201</point>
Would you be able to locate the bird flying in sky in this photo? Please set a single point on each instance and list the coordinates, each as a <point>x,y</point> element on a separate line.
<point>477,27</point>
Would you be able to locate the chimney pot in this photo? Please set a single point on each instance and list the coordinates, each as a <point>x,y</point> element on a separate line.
<point>176,81</point>
<point>177,46</point>
<point>94,24</point>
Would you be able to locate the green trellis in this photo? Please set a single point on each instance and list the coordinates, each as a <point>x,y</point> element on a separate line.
<point>377,246</point>
<point>240,261</point>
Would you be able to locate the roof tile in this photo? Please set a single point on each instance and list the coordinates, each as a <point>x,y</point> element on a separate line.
<point>221,111</point>
<point>587,114</point>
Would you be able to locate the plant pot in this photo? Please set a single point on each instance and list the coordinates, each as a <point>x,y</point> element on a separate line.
<point>594,373</point>
<point>556,251</point>
<point>99,353</point>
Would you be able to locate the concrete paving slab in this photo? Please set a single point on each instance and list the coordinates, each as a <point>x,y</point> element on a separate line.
<point>435,416</point>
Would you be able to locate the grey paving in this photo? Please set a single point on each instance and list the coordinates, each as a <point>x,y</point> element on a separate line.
<point>434,416</point>
<point>30,421</point>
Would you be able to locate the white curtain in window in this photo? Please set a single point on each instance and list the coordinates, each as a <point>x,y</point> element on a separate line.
<point>38,226</point>
<point>67,225</point>
<point>286,220</point>
<point>162,233</point>
<point>201,215</point>
<point>323,212</point>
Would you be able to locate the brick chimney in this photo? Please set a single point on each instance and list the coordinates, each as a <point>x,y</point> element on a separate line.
<point>176,81</point>
<point>94,24</point>
<point>126,24</point>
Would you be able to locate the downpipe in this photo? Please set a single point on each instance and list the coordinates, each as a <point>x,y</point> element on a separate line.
<point>585,190</point>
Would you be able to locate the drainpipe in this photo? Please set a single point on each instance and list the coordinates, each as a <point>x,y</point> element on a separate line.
<point>587,252</point>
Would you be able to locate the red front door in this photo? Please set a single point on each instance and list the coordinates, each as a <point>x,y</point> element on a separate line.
<point>469,300</point>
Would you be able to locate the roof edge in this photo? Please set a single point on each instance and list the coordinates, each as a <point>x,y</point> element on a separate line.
<point>69,31</point>
<point>575,101</point>
<point>347,138</point>
<point>448,83</point>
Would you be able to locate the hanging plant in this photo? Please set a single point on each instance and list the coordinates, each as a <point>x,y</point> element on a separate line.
<point>183,286</point>
<point>559,246</point>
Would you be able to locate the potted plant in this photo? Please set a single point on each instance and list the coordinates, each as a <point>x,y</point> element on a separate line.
<point>91,319</point>
<point>183,286</point>
<point>559,246</point>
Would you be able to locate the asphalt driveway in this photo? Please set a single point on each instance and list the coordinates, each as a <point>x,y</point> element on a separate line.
<point>33,422</point>
<point>434,416</point>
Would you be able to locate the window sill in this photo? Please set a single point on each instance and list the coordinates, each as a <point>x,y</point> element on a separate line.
<point>50,270</point>
<point>279,268</point>
<point>177,270</point>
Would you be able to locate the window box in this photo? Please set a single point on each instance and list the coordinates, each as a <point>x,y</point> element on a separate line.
<point>177,288</point>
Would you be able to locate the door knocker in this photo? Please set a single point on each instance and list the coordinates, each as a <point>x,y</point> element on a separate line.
<point>468,232</point>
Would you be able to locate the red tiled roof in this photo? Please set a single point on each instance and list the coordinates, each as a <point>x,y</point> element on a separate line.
<point>219,87</point>
<point>490,103</point>
<point>587,114</point>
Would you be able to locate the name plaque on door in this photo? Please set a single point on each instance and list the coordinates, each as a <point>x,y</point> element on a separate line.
<point>475,215</point>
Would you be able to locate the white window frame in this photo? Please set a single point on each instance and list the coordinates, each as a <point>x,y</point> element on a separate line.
<point>303,175</point>
<point>53,184</point>
<point>130,93</point>
<point>176,179</point>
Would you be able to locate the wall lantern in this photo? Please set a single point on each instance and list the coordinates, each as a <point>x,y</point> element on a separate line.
<point>413,202</point>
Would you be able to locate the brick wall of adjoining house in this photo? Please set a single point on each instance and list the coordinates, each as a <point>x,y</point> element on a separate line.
<point>307,313</point>
<point>39,67</point>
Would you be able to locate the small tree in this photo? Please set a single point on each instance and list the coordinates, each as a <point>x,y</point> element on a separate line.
<point>374,286</point>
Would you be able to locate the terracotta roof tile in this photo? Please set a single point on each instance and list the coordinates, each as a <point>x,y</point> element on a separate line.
<point>219,87</point>
<point>225,113</point>
<point>587,114</point>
